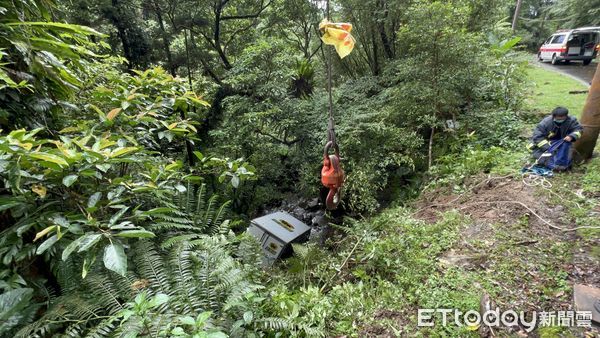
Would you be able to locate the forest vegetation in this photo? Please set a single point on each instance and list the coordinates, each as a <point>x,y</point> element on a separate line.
<point>139,138</point>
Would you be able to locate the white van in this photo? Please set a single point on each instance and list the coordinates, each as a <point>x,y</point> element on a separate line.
<point>576,44</point>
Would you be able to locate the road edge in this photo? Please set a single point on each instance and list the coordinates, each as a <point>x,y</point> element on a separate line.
<point>587,84</point>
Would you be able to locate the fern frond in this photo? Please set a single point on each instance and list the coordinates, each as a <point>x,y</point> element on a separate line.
<point>184,279</point>
<point>200,199</point>
<point>173,219</point>
<point>169,243</point>
<point>190,198</point>
<point>207,219</point>
<point>274,324</point>
<point>103,329</point>
<point>151,267</point>
<point>164,226</point>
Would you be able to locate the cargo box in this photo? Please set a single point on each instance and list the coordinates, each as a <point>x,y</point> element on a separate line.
<point>276,232</point>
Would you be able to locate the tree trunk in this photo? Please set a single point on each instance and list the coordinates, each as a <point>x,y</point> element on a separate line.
<point>516,16</point>
<point>375,67</point>
<point>430,149</point>
<point>121,33</point>
<point>165,37</point>
<point>590,120</point>
<point>387,48</point>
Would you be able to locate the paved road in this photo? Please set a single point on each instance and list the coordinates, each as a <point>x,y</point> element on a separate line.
<point>574,69</point>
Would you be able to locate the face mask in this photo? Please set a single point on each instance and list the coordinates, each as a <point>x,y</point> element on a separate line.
<point>558,121</point>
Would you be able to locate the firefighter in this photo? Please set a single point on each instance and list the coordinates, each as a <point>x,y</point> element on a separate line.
<point>558,126</point>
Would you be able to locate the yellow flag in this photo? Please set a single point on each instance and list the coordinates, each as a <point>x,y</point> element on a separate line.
<point>338,35</point>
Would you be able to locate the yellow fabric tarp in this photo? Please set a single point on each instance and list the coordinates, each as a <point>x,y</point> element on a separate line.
<point>338,35</point>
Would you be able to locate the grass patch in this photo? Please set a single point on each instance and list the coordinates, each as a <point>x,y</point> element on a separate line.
<point>550,89</point>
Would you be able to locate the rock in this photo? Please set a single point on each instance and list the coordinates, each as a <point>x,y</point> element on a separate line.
<point>303,203</point>
<point>587,298</point>
<point>313,203</point>
<point>452,258</point>
<point>319,220</point>
<point>298,211</point>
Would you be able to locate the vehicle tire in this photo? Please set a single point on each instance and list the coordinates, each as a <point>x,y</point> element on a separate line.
<point>539,57</point>
<point>587,62</point>
<point>554,60</point>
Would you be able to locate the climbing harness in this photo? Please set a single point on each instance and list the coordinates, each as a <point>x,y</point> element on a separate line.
<point>332,174</point>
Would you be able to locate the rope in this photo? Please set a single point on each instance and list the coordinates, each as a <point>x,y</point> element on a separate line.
<point>331,123</point>
<point>535,180</point>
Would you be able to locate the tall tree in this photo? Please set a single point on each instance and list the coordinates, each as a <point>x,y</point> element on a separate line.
<point>590,119</point>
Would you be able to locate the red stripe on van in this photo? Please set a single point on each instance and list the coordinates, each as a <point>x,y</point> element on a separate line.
<point>553,49</point>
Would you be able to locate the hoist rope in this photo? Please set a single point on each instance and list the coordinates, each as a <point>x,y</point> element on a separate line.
<point>331,123</point>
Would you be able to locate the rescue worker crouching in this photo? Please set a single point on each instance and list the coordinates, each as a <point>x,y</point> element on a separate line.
<point>556,127</point>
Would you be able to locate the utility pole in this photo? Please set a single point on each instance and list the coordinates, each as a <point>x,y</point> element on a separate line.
<point>590,120</point>
<point>516,16</point>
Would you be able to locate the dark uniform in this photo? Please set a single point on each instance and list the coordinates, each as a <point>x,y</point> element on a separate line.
<point>548,130</point>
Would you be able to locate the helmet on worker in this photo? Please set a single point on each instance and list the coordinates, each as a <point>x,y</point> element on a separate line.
<point>559,114</point>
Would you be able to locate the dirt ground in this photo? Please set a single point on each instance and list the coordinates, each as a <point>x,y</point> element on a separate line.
<point>516,222</point>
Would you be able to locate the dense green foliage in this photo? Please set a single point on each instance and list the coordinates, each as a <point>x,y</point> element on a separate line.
<point>541,18</point>
<point>124,193</point>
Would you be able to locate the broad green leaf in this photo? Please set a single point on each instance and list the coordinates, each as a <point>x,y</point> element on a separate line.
<point>47,244</point>
<point>125,314</point>
<point>88,240</point>
<point>178,331</point>
<point>93,200</point>
<point>88,261</point>
<point>126,225</point>
<point>187,320</point>
<point>173,166</point>
<point>12,304</point>
<point>136,234</point>
<point>8,205</point>
<point>69,180</point>
<point>49,158</point>
<point>58,25</point>
<point>158,300</point>
<point>117,216</point>
<point>103,167</point>
<point>71,247</point>
<point>122,151</point>
<point>99,112</point>
<point>235,181</point>
<point>203,317</point>
<point>155,211</point>
<point>115,259</point>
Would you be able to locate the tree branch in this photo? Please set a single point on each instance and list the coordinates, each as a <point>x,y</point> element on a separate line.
<point>249,16</point>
